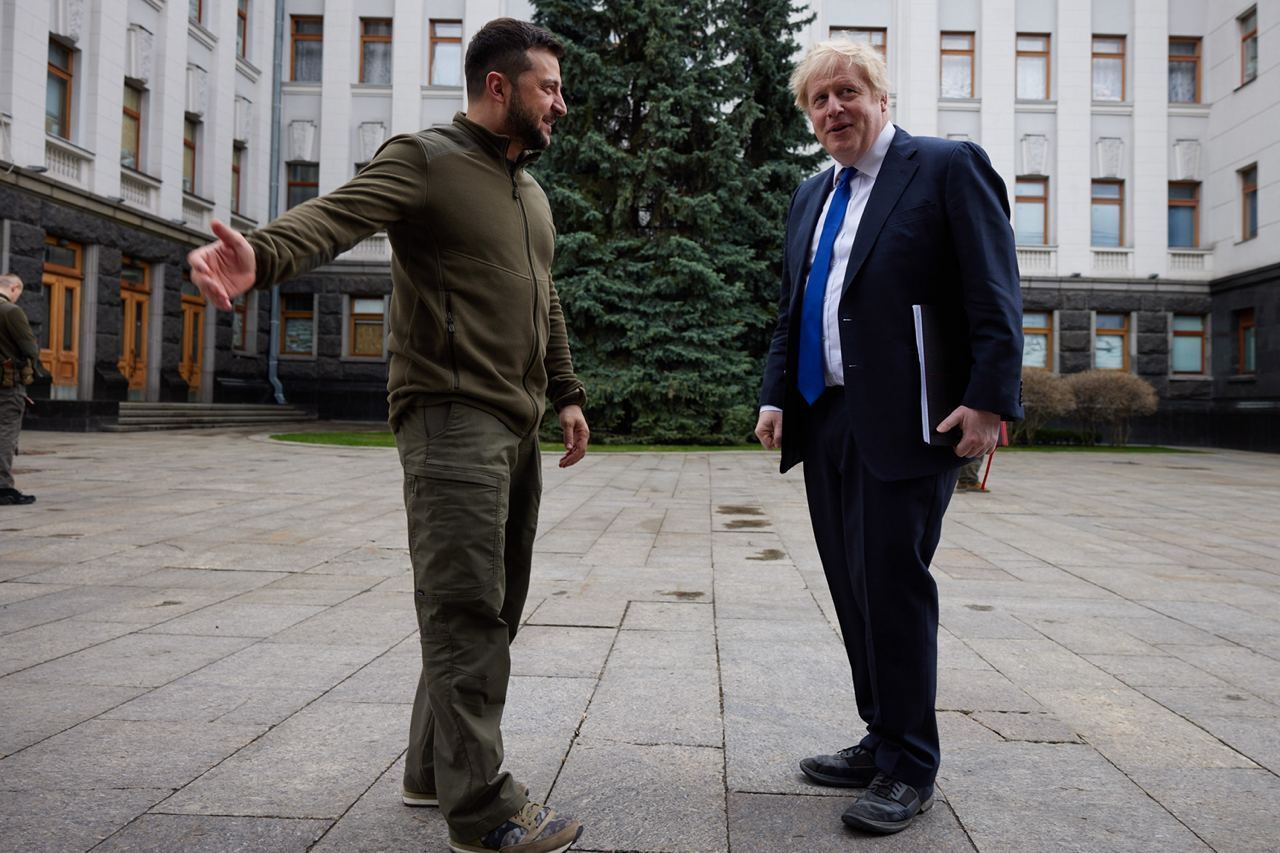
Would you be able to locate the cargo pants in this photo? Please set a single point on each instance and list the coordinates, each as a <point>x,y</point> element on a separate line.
<point>13,402</point>
<point>471,493</point>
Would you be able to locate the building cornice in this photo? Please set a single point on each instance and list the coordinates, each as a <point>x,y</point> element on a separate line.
<point>1269,274</point>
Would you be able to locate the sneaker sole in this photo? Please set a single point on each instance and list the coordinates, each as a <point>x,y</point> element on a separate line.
<point>460,847</point>
<point>419,800</point>
<point>836,781</point>
<point>883,827</point>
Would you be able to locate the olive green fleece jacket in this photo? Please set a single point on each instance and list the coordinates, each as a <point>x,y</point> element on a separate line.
<point>474,314</point>
<point>16,339</point>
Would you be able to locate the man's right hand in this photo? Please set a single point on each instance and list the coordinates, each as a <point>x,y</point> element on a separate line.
<point>225,268</point>
<point>769,430</point>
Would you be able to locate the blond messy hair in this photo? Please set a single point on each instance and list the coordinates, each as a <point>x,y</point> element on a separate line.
<point>829,57</point>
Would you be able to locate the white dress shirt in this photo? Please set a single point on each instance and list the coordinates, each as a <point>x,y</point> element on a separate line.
<point>868,166</point>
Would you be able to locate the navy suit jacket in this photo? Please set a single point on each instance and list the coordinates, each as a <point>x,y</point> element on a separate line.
<point>935,231</point>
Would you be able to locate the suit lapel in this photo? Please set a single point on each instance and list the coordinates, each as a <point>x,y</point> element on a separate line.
<point>808,210</point>
<point>896,171</point>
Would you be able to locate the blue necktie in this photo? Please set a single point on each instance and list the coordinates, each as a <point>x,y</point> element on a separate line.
<point>812,379</point>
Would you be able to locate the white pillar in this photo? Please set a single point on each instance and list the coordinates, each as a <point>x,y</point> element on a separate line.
<point>102,106</point>
<point>24,45</point>
<point>168,103</point>
<point>219,125</point>
<point>918,85</point>
<point>341,68</point>
<point>1150,138</point>
<point>998,50</point>
<point>1072,179</point>
<point>410,52</point>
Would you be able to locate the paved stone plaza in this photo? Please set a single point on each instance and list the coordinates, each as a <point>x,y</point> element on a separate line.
<point>209,644</point>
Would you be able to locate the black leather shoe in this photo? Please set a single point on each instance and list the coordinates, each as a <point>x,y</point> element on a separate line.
<point>14,497</point>
<point>888,806</point>
<point>852,767</point>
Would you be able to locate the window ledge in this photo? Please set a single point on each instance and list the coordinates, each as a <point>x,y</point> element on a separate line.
<point>300,87</point>
<point>1245,378</point>
<point>1195,110</point>
<point>248,69</point>
<point>142,177</point>
<point>364,359</point>
<point>1190,377</point>
<point>1114,108</point>
<point>1245,83</point>
<point>971,105</point>
<point>443,93</point>
<point>1035,106</point>
<point>286,356</point>
<point>370,88</point>
<point>240,222</point>
<point>198,32</point>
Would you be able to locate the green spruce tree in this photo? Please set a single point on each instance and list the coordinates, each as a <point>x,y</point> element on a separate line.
<point>658,188</point>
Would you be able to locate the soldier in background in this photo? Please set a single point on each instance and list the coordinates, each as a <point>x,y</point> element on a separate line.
<point>19,361</point>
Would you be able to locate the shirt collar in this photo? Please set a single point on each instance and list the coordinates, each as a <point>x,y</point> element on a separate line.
<point>869,164</point>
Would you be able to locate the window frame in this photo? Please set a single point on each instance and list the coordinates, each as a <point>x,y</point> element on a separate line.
<point>1094,199</point>
<point>199,7</point>
<point>1246,321</point>
<point>1019,198</point>
<point>944,52</point>
<point>291,182</point>
<point>883,47</point>
<point>1047,331</point>
<point>1202,334</point>
<point>1245,38</point>
<point>1123,54</point>
<point>295,37</point>
<point>1192,59</point>
<point>68,76</point>
<point>1122,333</point>
<point>136,116</point>
<point>1248,187</point>
<point>1194,204</point>
<point>287,314</point>
<point>366,39</point>
<point>353,317</point>
<point>191,143</point>
<point>1046,54</point>
<point>242,28</point>
<point>237,173</point>
<point>435,39</point>
<point>243,306</point>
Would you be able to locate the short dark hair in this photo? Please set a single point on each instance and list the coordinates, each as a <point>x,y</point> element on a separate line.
<point>502,45</point>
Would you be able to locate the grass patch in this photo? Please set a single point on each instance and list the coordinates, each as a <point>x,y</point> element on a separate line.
<point>386,439</point>
<point>1094,448</point>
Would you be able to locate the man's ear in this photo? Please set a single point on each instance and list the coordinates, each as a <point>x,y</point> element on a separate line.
<point>496,86</point>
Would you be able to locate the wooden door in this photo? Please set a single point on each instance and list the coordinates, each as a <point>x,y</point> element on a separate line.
<point>192,364</point>
<point>60,334</point>
<point>135,298</point>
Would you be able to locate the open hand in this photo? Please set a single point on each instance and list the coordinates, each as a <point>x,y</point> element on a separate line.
<point>225,268</point>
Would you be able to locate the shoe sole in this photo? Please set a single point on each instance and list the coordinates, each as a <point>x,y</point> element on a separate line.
<point>459,847</point>
<point>835,781</point>
<point>882,827</point>
<point>419,800</point>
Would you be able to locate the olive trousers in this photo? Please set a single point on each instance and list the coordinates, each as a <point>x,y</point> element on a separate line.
<point>471,493</point>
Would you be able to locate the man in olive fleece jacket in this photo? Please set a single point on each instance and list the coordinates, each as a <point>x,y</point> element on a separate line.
<point>19,359</point>
<point>477,343</point>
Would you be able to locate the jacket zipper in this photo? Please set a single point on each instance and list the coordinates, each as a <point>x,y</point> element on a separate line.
<point>533,283</point>
<point>451,329</point>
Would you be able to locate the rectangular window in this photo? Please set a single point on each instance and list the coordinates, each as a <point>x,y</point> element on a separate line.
<point>57,93</point>
<point>1184,70</point>
<point>1111,341</point>
<point>304,182</point>
<point>242,28</point>
<point>375,51</point>
<point>1184,215</point>
<point>131,129</point>
<point>446,53</point>
<point>1249,202</point>
<point>190,141</point>
<point>957,65</point>
<point>1037,339</point>
<point>1107,215</point>
<point>240,323</point>
<point>306,50</point>
<point>1246,342</point>
<point>1248,45</point>
<point>195,11</point>
<point>1188,343</point>
<point>874,36</point>
<point>365,332</point>
<point>1031,212</point>
<point>1108,68</point>
<point>237,165</point>
<point>1033,66</point>
<point>298,315</point>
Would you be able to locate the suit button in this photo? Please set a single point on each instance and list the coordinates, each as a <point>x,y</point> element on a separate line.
<point>853,365</point>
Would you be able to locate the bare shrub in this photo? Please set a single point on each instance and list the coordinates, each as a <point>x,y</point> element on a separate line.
<point>1045,396</point>
<point>1111,398</point>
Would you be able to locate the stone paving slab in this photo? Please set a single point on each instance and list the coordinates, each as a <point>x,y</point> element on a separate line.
<point>221,654</point>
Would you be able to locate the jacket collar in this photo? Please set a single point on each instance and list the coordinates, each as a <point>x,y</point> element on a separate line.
<point>495,142</point>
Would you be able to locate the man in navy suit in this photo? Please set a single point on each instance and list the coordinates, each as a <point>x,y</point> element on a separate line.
<point>898,221</point>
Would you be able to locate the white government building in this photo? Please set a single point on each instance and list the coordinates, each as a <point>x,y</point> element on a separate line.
<point>1139,139</point>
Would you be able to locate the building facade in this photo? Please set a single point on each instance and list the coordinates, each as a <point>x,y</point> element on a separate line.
<point>1139,140</point>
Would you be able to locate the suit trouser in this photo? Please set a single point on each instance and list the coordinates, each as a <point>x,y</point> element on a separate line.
<point>876,539</point>
<point>13,402</point>
<point>471,493</point>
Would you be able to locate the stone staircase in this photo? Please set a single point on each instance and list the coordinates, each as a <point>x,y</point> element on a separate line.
<point>138,417</point>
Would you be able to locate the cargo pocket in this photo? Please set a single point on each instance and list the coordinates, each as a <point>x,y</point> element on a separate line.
<point>456,518</point>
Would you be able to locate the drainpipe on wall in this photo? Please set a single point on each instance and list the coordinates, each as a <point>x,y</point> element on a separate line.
<point>277,79</point>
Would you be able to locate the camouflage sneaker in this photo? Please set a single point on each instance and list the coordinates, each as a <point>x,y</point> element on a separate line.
<point>534,829</point>
<point>432,799</point>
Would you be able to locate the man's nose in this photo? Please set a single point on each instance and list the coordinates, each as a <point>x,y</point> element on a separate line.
<point>558,106</point>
